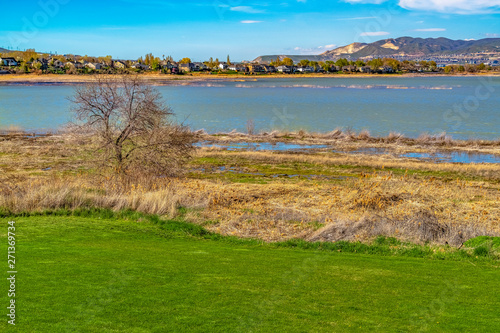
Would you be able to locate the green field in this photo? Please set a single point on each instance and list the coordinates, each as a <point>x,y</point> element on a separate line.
<point>129,274</point>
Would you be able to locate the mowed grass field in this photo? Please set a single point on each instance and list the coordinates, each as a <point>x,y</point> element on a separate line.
<point>128,274</point>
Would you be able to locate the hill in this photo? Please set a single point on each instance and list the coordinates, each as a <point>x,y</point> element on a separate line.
<point>403,46</point>
<point>2,50</point>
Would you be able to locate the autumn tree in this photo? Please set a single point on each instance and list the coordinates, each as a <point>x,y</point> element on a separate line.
<point>287,61</point>
<point>375,63</point>
<point>342,62</point>
<point>393,63</point>
<point>359,63</point>
<point>30,55</point>
<point>304,62</point>
<point>107,60</point>
<point>210,63</point>
<point>185,61</point>
<point>132,126</point>
<point>228,60</point>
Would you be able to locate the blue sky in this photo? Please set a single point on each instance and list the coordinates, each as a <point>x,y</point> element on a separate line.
<point>242,29</point>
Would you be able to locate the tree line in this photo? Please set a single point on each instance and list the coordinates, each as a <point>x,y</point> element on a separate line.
<point>155,63</point>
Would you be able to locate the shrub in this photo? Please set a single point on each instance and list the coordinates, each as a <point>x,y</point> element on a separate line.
<point>132,126</point>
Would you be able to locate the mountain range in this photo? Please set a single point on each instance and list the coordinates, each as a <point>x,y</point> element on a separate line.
<point>403,46</point>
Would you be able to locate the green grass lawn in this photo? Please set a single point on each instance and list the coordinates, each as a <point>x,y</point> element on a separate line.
<point>91,274</point>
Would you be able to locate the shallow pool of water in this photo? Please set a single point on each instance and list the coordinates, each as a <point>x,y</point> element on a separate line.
<point>443,156</point>
<point>258,146</point>
<point>451,157</point>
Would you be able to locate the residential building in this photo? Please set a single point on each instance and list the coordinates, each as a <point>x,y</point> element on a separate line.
<point>93,65</point>
<point>119,64</point>
<point>186,67</point>
<point>8,61</point>
<point>284,69</point>
<point>365,69</point>
<point>138,65</point>
<point>255,68</point>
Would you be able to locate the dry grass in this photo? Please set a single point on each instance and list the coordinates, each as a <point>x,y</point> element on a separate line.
<point>347,139</point>
<point>431,202</point>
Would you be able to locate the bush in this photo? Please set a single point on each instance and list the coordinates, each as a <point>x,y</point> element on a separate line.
<point>132,126</point>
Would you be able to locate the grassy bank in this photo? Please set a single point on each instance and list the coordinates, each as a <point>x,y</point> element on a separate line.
<point>157,78</point>
<point>274,196</point>
<point>131,273</point>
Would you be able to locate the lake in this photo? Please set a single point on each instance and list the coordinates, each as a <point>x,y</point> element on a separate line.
<point>464,107</point>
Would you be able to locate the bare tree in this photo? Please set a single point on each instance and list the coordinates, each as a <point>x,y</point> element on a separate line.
<point>250,127</point>
<point>132,125</point>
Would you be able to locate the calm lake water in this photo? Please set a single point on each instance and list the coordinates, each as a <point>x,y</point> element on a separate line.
<point>464,107</point>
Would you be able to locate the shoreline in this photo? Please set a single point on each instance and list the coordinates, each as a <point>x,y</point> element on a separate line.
<point>344,142</point>
<point>169,79</point>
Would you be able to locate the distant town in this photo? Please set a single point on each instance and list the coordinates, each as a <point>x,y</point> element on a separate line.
<point>30,61</point>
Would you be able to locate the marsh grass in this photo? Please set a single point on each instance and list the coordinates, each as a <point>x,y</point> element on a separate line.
<point>348,197</point>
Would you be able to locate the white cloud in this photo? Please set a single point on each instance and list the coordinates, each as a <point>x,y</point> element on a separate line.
<point>374,33</point>
<point>249,22</point>
<point>443,6</point>
<point>430,29</point>
<point>246,9</point>
<point>453,6</point>
<point>491,35</point>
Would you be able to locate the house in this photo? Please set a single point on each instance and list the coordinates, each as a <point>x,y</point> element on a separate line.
<point>223,66</point>
<point>41,63</point>
<point>119,64</point>
<point>305,69</point>
<point>238,68</point>
<point>93,65</point>
<point>284,69</point>
<point>57,63</point>
<point>138,65</point>
<point>269,69</point>
<point>255,68</point>
<point>365,69</point>
<point>8,61</point>
<point>385,69</point>
<point>167,64</point>
<point>189,67</point>
<point>349,68</point>
<point>70,64</point>
<point>170,65</point>
<point>199,66</point>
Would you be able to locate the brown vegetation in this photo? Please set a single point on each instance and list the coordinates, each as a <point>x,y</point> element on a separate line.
<point>333,196</point>
<point>131,126</point>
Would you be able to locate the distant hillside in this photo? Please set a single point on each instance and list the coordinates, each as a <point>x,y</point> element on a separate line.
<point>403,46</point>
<point>295,58</point>
<point>4,50</point>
